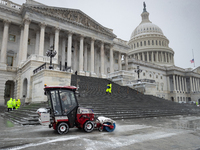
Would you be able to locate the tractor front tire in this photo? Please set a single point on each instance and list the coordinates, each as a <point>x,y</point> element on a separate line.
<point>62,128</point>
<point>88,126</point>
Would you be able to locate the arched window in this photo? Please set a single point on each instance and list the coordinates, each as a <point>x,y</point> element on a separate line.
<point>134,45</point>
<point>137,44</point>
<point>140,43</point>
<point>148,42</point>
<point>152,42</point>
<point>156,42</point>
<point>144,43</point>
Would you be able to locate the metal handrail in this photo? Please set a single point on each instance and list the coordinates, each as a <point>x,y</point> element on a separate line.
<point>43,66</point>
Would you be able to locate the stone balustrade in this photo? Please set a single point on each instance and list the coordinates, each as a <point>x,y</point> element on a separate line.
<point>39,58</point>
<point>120,73</point>
<point>10,4</point>
<point>11,68</point>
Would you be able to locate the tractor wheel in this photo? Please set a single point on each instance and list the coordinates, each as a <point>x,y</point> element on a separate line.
<point>109,129</point>
<point>88,126</point>
<point>62,128</point>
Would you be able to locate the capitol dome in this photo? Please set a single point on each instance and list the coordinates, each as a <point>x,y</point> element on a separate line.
<point>149,44</point>
<point>146,28</point>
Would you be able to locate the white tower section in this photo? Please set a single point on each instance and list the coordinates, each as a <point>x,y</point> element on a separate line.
<point>149,44</point>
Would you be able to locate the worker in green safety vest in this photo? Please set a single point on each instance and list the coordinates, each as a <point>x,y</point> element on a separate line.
<point>14,104</point>
<point>109,88</point>
<point>10,105</point>
<point>18,103</point>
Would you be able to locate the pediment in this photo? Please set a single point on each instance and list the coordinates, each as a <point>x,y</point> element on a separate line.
<point>197,70</point>
<point>72,15</point>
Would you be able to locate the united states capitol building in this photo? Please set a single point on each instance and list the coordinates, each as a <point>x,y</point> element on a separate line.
<point>85,46</point>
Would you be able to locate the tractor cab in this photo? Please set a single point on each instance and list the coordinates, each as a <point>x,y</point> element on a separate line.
<point>62,102</point>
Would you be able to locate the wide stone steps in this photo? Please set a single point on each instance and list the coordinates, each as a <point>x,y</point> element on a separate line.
<point>123,103</point>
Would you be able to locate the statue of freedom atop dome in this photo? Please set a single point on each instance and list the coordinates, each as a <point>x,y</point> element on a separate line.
<point>144,10</point>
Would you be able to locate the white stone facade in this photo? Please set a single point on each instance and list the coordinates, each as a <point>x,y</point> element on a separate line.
<point>85,46</point>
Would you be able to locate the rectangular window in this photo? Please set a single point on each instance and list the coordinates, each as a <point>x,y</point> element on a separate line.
<point>12,37</point>
<point>9,60</point>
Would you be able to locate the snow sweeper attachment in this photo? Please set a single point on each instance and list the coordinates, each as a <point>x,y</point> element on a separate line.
<point>64,113</point>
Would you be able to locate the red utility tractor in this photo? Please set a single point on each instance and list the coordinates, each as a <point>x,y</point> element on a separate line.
<point>64,112</point>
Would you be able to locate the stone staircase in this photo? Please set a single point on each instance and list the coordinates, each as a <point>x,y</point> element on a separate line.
<point>123,103</point>
<point>25,115</point>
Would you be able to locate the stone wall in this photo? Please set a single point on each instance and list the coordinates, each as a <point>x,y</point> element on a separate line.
<point>49,77</point>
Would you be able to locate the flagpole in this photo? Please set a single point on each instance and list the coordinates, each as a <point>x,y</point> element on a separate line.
<point>193,57</point>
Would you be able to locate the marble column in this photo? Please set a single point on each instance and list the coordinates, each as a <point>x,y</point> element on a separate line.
<point>177,85</point>
<point>69,50</point>
<point>173,59</point>
<point>119,61</point>
<point>198,85</point>
<point>56,45</point>
<point>180,85</point>
<point>168,57</point>
<point>147,56</point>
<point>81,72</point>
<point>92,58</point>
<point>194,89</point>
<point>51,39</point>
<point>4,42</point>
<point>191,85</point>
<point>165,57</point>
<point>162,55</point>
<point>25,39</point>
<point>42,38</point>
<point>75,54</point>
<point>111,59</point>
<point>143,58</point>
<point>63,51</point>
<point>174,81</point>
<point>85,57</point>
<point>126,62</point>
<point>168,84</point>
<point>102,60</point>
<point>156,56</point>
<point>37,40</point>
<point>185,85</point>
<point>20,47</point>
<point>152,56</point>
<point>138,56</point>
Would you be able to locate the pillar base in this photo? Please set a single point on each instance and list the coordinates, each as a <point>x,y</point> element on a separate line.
<point>92,74</point>
<point>103,76</point>
<point>3,66</point>
<point>82,73</point>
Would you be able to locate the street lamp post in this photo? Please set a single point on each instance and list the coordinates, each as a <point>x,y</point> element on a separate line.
<point>51,53</point>
<point>138,70</point>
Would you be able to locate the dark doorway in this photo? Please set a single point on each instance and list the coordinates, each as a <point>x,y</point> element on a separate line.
<point>9,91</point>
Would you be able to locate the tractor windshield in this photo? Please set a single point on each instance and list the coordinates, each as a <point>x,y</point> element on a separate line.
<point>63,101</point>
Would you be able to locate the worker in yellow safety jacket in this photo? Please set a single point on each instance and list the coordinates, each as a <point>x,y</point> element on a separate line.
<point>109,88</point>
<point>18,103</point>
<point>9,104</point>
<point>14,104</point>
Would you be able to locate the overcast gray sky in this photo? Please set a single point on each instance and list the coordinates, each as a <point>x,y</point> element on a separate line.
<point>178,19</point>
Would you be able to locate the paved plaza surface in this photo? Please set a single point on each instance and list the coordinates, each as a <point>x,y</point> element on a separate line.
<point>159,133</point>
